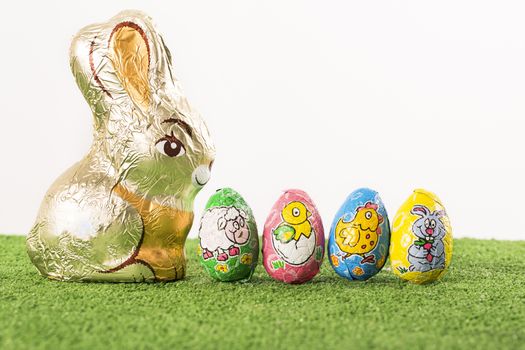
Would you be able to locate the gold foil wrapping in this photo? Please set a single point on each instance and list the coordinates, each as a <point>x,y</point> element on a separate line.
<point>123,212</point>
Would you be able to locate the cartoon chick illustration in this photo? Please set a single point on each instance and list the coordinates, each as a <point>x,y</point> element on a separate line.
<point>360,235</point>
<point>295,224</point>
<point>294,238</point>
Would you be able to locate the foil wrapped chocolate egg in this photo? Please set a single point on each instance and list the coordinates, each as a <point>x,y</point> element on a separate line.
<point>360,236</point>
<point>421,247</point>
<point>228,240</point>
<point>293,239</point>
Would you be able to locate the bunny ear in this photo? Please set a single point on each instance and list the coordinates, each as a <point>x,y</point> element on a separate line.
<point>130,54</point>
<point>439,213</point>
<point>420,210</point>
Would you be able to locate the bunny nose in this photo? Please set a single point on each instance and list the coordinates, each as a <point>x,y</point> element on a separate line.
<point>201,175</point>
<point>430,231</point>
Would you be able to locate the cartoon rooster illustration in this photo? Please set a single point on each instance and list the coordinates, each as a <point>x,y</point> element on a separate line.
<point>294,238</point>
<point>360,235</point>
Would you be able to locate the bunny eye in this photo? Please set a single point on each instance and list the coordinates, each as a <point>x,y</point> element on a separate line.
<point>170,146</point>
<point>433,223</point>
<point>368,215</point>
<point>427,223</point>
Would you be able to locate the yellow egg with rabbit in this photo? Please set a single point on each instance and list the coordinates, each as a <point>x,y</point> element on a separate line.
<point>421,242</point>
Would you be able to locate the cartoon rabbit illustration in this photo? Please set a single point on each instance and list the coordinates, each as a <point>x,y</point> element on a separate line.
<point>123,212</point>
<point>428,252</point>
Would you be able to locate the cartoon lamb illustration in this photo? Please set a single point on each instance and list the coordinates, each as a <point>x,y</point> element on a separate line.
<point>222,231</point>
<point>428,252</point>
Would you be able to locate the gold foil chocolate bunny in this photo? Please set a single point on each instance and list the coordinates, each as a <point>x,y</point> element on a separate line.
<point>123,212</point>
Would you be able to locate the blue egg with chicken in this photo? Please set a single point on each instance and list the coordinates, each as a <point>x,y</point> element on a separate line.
<point>359,238</point>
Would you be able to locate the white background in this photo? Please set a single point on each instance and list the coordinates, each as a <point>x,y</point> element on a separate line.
<point>326,96</point>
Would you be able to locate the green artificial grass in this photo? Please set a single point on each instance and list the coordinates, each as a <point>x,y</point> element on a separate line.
<point>480,303</point>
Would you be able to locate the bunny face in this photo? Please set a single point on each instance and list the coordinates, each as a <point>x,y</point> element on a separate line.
<point>429,224</point>
<point>146,132</point>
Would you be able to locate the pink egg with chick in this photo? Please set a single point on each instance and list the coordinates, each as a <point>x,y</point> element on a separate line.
<point>293,239</point>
